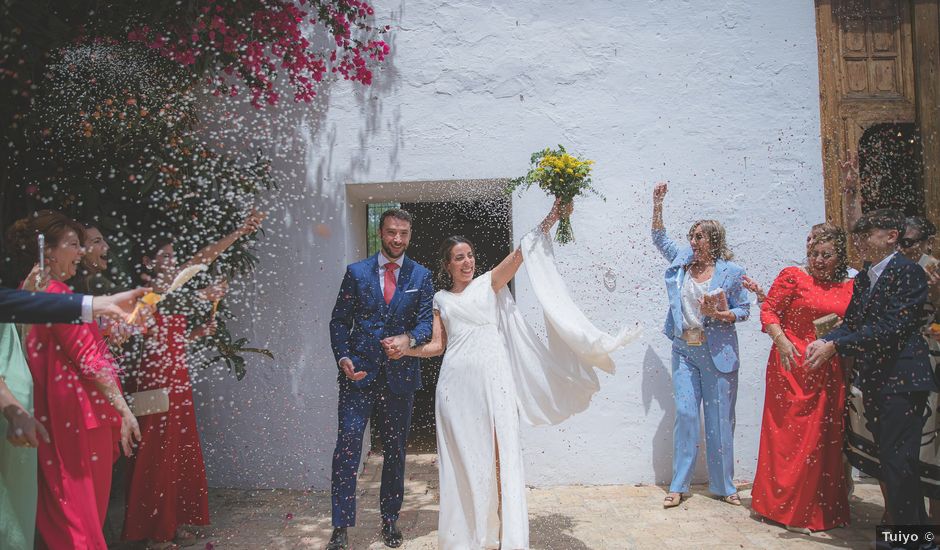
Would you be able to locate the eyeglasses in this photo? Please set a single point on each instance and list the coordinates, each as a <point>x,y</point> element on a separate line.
<point>907,242</point>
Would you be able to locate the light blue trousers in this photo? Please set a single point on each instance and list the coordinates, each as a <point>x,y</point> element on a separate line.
<point>696,384</point>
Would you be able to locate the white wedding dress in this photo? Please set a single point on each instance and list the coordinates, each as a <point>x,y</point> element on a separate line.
<point>495,371</point>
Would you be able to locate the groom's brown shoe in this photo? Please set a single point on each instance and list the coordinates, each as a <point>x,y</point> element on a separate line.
<point>339,540</point>
<point>391,534</point>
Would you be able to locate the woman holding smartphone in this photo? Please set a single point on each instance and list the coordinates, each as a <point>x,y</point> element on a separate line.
<point>76,390</point>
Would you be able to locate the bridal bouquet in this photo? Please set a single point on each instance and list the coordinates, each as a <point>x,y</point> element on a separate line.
<point>560,175</point>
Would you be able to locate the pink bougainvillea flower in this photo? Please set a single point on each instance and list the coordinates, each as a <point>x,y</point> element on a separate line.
<point>254,40</point>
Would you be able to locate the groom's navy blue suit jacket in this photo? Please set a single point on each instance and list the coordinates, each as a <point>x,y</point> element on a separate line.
<point>361,318</point>
<point>882,330</point>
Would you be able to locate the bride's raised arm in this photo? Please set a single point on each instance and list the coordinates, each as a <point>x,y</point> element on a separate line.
<point>506,270</point>
<point>436,345</point>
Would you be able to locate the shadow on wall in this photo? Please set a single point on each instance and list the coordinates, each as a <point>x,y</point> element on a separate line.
<point>657,385</point>
<point>277,427</point>
<point>387,83</point>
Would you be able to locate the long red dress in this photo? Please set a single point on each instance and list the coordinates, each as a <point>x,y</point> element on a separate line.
<point>166,477</point>
<point>75,469</point>
<point>799,480</point>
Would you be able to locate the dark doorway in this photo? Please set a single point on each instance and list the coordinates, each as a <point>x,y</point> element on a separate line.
<point>488,224</point>
<point>891,168</point>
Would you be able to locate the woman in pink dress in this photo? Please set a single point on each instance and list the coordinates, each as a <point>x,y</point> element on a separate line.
<point>166,483</point>
<point>77,394</point>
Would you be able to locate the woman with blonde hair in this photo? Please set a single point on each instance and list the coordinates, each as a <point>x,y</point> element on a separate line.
<point>706,299</point>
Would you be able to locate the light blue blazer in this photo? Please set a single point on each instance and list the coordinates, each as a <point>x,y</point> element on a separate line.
<point>721,338</point>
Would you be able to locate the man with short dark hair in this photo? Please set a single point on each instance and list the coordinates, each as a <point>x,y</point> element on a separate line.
<point>398,214</point>
<point>384,304</point>
<point>881,331</point>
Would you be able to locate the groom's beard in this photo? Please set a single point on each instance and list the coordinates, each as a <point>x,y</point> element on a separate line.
<point>390,255</point>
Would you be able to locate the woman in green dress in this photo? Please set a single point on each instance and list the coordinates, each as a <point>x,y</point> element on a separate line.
<point>18,451</point>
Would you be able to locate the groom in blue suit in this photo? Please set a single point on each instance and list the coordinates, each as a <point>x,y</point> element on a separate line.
<point>384,303</point>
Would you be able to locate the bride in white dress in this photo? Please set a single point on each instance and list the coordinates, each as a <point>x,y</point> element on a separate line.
<point>496,370</point>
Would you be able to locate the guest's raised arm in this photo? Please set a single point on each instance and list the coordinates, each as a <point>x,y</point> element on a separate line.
<point>209,253</point>
<point>659,195</point>
<point>663,243</point>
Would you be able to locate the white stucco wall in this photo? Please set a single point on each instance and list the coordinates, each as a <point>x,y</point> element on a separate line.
<point>720,98</point>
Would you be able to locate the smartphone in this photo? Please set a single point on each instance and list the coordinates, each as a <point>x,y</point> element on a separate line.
<point>41,239</point>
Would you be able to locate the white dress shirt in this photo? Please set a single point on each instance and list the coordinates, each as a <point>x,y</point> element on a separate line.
<point>382,261</point>
<point>87,309</point>
<point>875,271</point>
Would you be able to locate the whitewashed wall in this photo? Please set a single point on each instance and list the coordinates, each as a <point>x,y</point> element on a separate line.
<point>720,98</point>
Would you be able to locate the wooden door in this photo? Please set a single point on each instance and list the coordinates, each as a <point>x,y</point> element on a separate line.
<point>926,38</point>
<point>866,77</point>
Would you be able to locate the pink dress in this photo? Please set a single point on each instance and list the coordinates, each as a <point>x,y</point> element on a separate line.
<point>75,469</point>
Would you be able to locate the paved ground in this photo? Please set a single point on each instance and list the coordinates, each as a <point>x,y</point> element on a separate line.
<point>561,518</point>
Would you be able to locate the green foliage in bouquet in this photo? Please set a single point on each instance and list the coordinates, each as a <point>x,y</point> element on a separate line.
<point>560,175</point>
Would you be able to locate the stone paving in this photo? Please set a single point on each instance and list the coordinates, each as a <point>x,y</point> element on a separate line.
<point>561,518</point>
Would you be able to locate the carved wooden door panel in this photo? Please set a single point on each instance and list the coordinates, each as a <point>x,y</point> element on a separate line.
<point>866,76</point>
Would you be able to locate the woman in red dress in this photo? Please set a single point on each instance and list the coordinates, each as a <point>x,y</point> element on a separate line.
<point>800,475</point>
<point>77,396</point>
<point>166,480</point>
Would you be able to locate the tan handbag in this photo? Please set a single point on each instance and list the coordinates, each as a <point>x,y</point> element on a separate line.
<point>825,324</point>
<point>147,402</point>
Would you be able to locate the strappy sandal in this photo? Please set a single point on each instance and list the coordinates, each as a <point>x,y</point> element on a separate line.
<point>732,499</point>
<point>672,500</point>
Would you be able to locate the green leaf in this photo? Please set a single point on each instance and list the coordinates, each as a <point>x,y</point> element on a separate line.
<point>261,351</point>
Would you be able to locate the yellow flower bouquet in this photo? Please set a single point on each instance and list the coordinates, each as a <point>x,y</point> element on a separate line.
<point>561,175</point>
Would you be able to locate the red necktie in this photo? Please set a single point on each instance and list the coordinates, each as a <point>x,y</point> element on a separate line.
<point>390,268</point>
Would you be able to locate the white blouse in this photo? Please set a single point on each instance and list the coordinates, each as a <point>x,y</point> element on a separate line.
<point>692,293</point>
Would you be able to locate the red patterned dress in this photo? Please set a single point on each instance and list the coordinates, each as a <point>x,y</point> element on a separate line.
<point>799,480</point>
<point>166,482</point>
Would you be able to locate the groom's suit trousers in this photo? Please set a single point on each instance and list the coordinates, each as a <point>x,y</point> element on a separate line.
<point>391,415</point>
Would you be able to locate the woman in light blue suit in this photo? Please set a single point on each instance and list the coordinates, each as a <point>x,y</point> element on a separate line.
<point>704,350</point>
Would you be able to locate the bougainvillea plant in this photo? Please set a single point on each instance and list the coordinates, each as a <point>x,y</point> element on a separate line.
<point>251,41</point>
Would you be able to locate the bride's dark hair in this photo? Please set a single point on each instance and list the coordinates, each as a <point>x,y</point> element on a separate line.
<point>443,253</point>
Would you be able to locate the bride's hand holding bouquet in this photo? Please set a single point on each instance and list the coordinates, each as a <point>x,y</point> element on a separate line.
<point>560,211</point>
<point>562,176</point>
